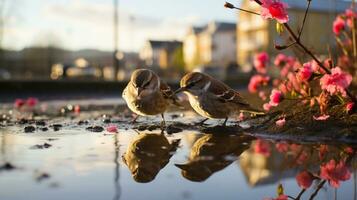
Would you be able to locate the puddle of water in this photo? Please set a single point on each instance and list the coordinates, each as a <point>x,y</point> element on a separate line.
<point>74,163</point>
<point>187,165</point>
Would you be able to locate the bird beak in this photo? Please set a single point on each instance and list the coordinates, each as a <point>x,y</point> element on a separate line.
<point>181,89</point>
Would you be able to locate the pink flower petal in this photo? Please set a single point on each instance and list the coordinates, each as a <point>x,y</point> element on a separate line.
<point>112,129</point>
<point>321,118</point>
<point>280,122</point>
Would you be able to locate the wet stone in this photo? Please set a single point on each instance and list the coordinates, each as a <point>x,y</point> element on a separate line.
<point>96,129</point>
<point>82,122</point>
<point>40,123</point>
<point>7,167</point>
<point>23,121</point>
<point>107,121</point>
<point>172,129</point>
<point>57,127</point>
<point>40,176</point>
<point>41,146</point>
<point>29,129</point>
<point>44,129</point>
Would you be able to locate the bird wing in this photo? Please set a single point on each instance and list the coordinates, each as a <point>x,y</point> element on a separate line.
<point>225,93</point>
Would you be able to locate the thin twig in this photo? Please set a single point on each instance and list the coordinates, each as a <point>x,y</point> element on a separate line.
<point>248,11</point>
<point>304,20</point>
<point>300,194</point>
<point>319,186</point>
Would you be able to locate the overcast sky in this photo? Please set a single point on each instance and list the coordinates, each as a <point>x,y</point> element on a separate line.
<point>78,24</point>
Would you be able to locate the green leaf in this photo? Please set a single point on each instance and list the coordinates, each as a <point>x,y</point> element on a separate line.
<point>279,28</point>
<point>280,189</point>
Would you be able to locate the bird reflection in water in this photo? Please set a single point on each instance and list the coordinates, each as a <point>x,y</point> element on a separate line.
<point>212,153</point>
<point>147,155</point>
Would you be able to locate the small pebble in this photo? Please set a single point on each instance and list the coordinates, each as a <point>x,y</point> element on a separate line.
<point>41,146</point>
<point>40,123</point>
<point>172,129</point>
<point>7,166</point>
<point>95,129</point>
<point>44,129</point>
<point>29,129</point>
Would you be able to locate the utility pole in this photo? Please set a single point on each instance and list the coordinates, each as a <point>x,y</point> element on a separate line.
<point>116,38</point>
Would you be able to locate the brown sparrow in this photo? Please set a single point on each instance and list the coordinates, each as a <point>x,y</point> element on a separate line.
<point>212,98</point>
<point>146,94</point>
<point>147,154</point>
<point>209,155</point>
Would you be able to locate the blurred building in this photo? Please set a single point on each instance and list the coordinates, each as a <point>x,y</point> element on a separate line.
<point>161,54</point>
<point>213,44</point>
<point>255,34</point>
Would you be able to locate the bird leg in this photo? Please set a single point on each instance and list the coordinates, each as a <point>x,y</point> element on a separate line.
<point>134,120</point>
<point>225,122</point>
<point>163,123</point>
<point>201,123</point>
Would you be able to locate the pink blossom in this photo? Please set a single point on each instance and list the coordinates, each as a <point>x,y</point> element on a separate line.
<point>349,150</point>
<point>294,82</point>
<point>77,109</point>
<point>280,197</point>
<point>305,72</point>
<point>260,62</point>
<point>280,60</point>
<point>302,158</point>
<point>276,97</point>
<point>112,129</point>
<point>241,117</point>
<point>350,13</point>
<point>280,122</point>
<point>266,106</point>
<point>304,179</point>
<point>338,25</point>
<point>335,172</point>
<point>321,117</point>
<point>350,106</point>
<point>262,95</point>
<point>275,9</point>
<point>19,103</point>
<point>262,147</point>
<point>256,82</point>
<point>282,147</point>
<point>31,101</point>
<point>336,82</point>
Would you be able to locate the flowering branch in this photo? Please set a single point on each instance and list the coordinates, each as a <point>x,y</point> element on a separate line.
<point>231,6</point>
<point>305,16</point>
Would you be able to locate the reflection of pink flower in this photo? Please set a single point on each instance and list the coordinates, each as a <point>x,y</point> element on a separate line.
<point>304,179</point>
<point>262,147</point>
<point>336,82</point>
<point>19,103</point>
<point>282,147</point>
<point>275,9</point>
<point>280,122</point>
<point>322,151</point>
<point>335,172</point>
<point>338,25</point>
<point>276,97</point>
<point>350,106</point>
<point>256,81</point>
<point>112,129</point>
<point>302,158</point>
<point>305,72</point>
<point>31,101</point>
<point>260,62</point>
<point>321,117</point>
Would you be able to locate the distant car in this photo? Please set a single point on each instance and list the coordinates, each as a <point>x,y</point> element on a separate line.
<point>214,71</point>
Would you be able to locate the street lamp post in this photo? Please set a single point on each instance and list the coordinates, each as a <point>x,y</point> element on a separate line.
<point>116,38</point>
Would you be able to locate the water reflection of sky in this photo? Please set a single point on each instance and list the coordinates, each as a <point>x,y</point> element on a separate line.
<point>81,166</point>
